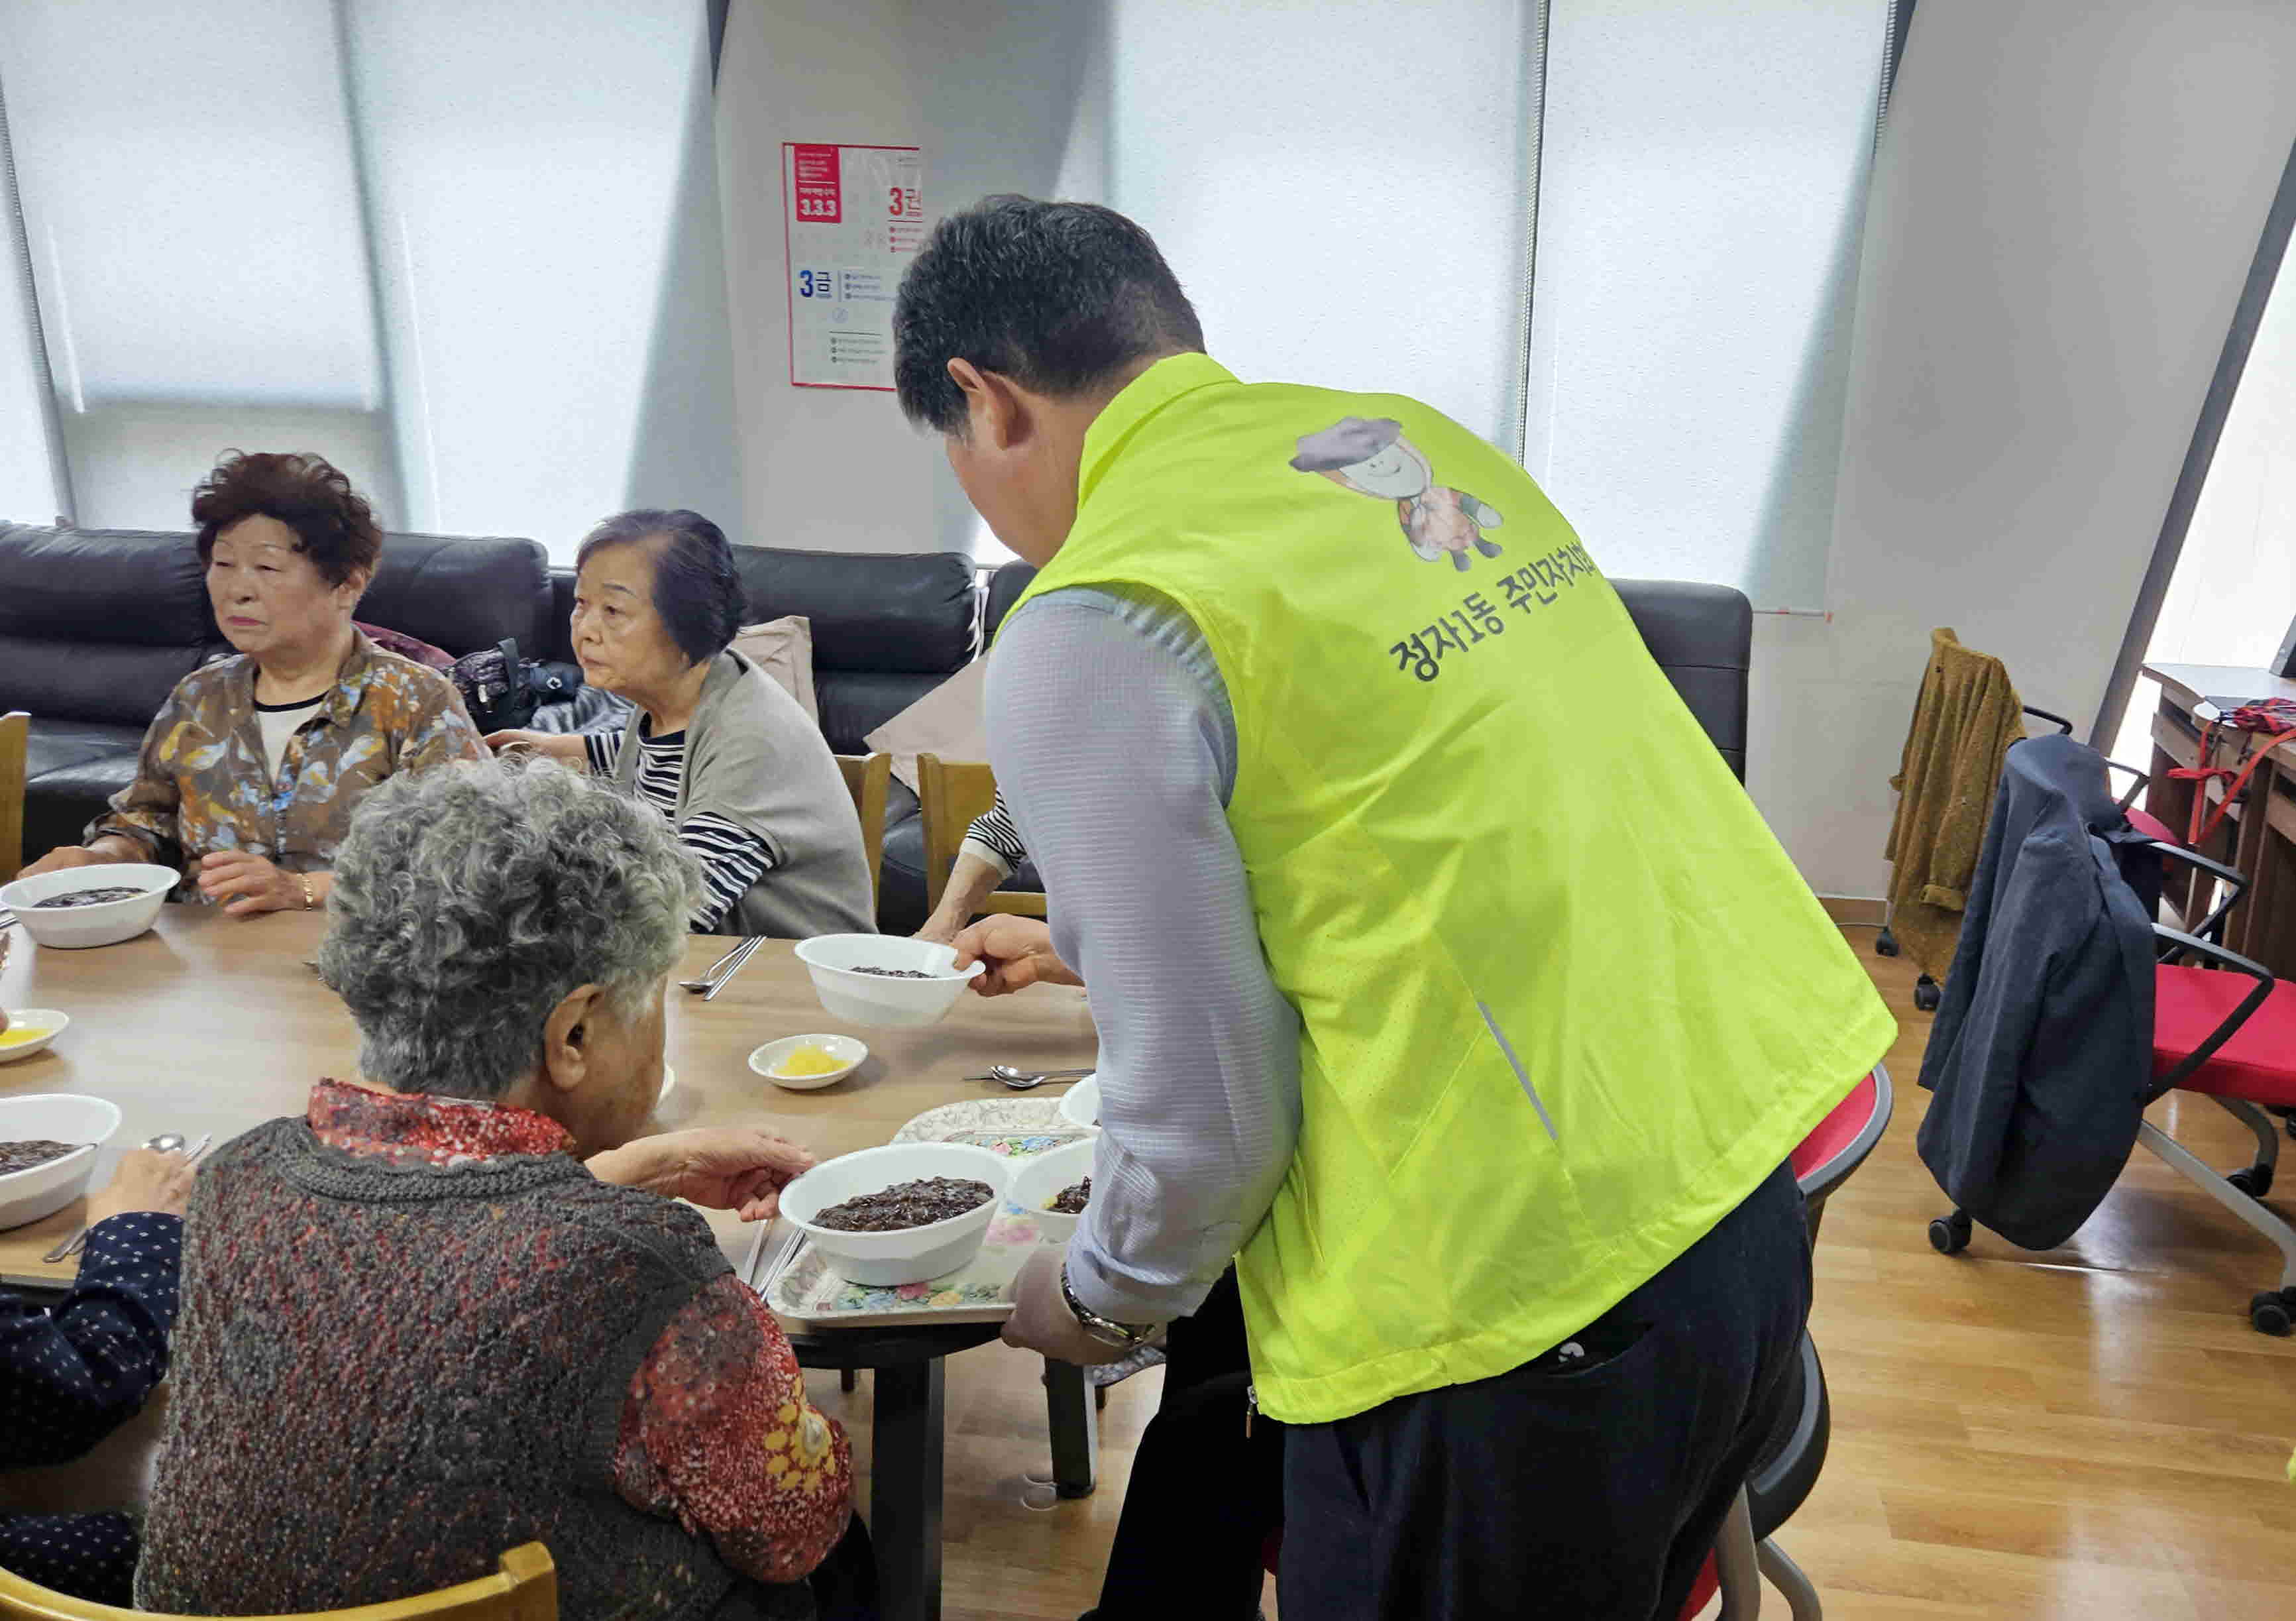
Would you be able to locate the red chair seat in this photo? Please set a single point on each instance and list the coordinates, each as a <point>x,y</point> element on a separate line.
<point>1836,1132</point>
<point>2258,1064</point>
<point>2152,826</point>
<point>1708,1583</point>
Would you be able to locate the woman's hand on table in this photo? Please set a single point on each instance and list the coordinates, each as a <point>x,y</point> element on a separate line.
<point>736,1168</point>
<point>245,884</point>
<point>566,748</point>
<point>1018,952</point>
<point>146,1178</point>
<point>1041,1321</point>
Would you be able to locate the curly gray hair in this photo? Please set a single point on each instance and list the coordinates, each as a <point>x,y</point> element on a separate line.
<point>469,900</point>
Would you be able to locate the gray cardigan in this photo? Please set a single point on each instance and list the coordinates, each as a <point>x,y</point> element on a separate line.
<point>754,757</point>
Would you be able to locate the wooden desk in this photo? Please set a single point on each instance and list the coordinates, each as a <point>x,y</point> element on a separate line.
<point>2259,834</point>
<point>211,1023</point>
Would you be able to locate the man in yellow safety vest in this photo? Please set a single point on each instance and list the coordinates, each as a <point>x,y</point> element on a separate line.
<point>1446,980</point>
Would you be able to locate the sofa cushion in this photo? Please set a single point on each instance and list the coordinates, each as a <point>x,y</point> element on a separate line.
<point>462,595</point>
<point>855,703</point>
<point>72,768</point>
<point>783,649</point>
<point>120,682</point>
<point>909,612</point>
<point>136,586</point>
<point>945,722</point>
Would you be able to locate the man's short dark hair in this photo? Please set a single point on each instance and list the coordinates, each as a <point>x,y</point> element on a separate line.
<point>697,590</point>
<point>1060,297</point>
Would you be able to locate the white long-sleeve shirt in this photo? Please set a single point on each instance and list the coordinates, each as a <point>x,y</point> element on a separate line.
<point>1111,734</point>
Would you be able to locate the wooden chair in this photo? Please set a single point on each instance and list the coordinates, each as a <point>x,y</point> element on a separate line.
<point>525,1589</point>
<point>953,793</point>
<point>15,737</point>
<point>869,777</point>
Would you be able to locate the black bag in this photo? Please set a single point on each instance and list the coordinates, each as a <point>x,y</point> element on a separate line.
<point>502,691</point>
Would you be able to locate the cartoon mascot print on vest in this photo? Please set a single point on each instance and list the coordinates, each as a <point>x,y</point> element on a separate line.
<point>1371,457</point>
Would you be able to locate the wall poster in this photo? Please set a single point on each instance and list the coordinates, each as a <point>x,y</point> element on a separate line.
<point>856,218</point>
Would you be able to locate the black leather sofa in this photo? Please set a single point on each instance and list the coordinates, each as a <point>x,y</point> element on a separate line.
<point>97,625</point>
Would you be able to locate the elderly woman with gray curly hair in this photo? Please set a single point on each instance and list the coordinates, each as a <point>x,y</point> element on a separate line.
<point>450,1310</point>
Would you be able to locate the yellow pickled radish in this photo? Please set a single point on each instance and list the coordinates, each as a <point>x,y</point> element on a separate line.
<point>809,1061</point>
<point>18,1035</point>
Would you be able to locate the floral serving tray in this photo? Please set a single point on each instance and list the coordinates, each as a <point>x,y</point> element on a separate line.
<point>806,1292</point>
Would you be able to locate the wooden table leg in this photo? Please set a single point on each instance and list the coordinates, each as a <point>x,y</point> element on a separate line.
<point>1073,1418</point>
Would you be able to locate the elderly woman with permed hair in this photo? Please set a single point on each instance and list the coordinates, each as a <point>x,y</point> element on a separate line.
<point>251,769</point>
<point>455,1307</point>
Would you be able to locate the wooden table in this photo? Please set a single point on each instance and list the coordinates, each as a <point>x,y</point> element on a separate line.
<point>2257,835</point>
<point>211,1023</point>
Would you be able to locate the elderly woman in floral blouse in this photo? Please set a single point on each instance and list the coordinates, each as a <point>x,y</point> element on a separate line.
<point>251,770</point>
<point>458,1307</point>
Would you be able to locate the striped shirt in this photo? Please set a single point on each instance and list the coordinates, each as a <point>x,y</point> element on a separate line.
<point>732,857</point>
<point>993,838</point>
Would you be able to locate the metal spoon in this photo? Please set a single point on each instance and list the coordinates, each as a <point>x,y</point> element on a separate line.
<point>1027,1080</point>
<point>709,979</point>
<point>166,1142</point>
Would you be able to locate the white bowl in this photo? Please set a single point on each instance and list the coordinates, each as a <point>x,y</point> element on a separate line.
<point>872,999</point>
<point>910,1254</point>
<point>107,923</point>
<point>1039,1180</point>
<point>1080,1103</point>
<point>28,1196</point>
<point>47,1021</point>
<point>769,1058</point>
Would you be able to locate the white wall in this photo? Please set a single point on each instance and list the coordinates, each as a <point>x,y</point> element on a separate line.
<point>2065,206</point>
<point>829,470</point>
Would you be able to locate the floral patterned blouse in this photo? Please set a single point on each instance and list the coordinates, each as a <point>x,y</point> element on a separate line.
<point>203,783</point>
<point>716,1431</point>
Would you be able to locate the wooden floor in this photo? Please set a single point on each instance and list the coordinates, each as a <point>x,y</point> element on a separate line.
<point>2094,1432</point>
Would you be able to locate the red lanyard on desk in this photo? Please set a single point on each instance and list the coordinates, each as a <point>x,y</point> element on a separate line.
<point>2277,716</point>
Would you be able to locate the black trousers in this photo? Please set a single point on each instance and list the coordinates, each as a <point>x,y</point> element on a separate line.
<point>1204,1496</point>
<point>1585,1487</point>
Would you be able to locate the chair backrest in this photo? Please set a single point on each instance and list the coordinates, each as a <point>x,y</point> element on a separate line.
<point>869,777</point>
<point>15,732</point>
<point>951,795</point>
<point>525,1589</point>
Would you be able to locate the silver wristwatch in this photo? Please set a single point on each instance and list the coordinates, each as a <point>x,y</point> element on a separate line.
<point>1107,1330</point>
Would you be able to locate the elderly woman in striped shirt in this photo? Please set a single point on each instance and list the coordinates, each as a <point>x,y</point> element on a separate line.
<point>731,759</point>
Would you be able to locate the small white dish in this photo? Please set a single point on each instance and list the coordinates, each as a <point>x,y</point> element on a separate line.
<point>1080,1103</point>
<point>47,1022</point>
<point>767,1060</point>
<point>874,999</point>
<point>906,1254</point>
<point>1041,1177</point>
<point>105,923</point>
<point>41,1190</point>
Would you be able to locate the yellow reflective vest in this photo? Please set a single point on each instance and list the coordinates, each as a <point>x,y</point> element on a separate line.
<point>1564,1001</point>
